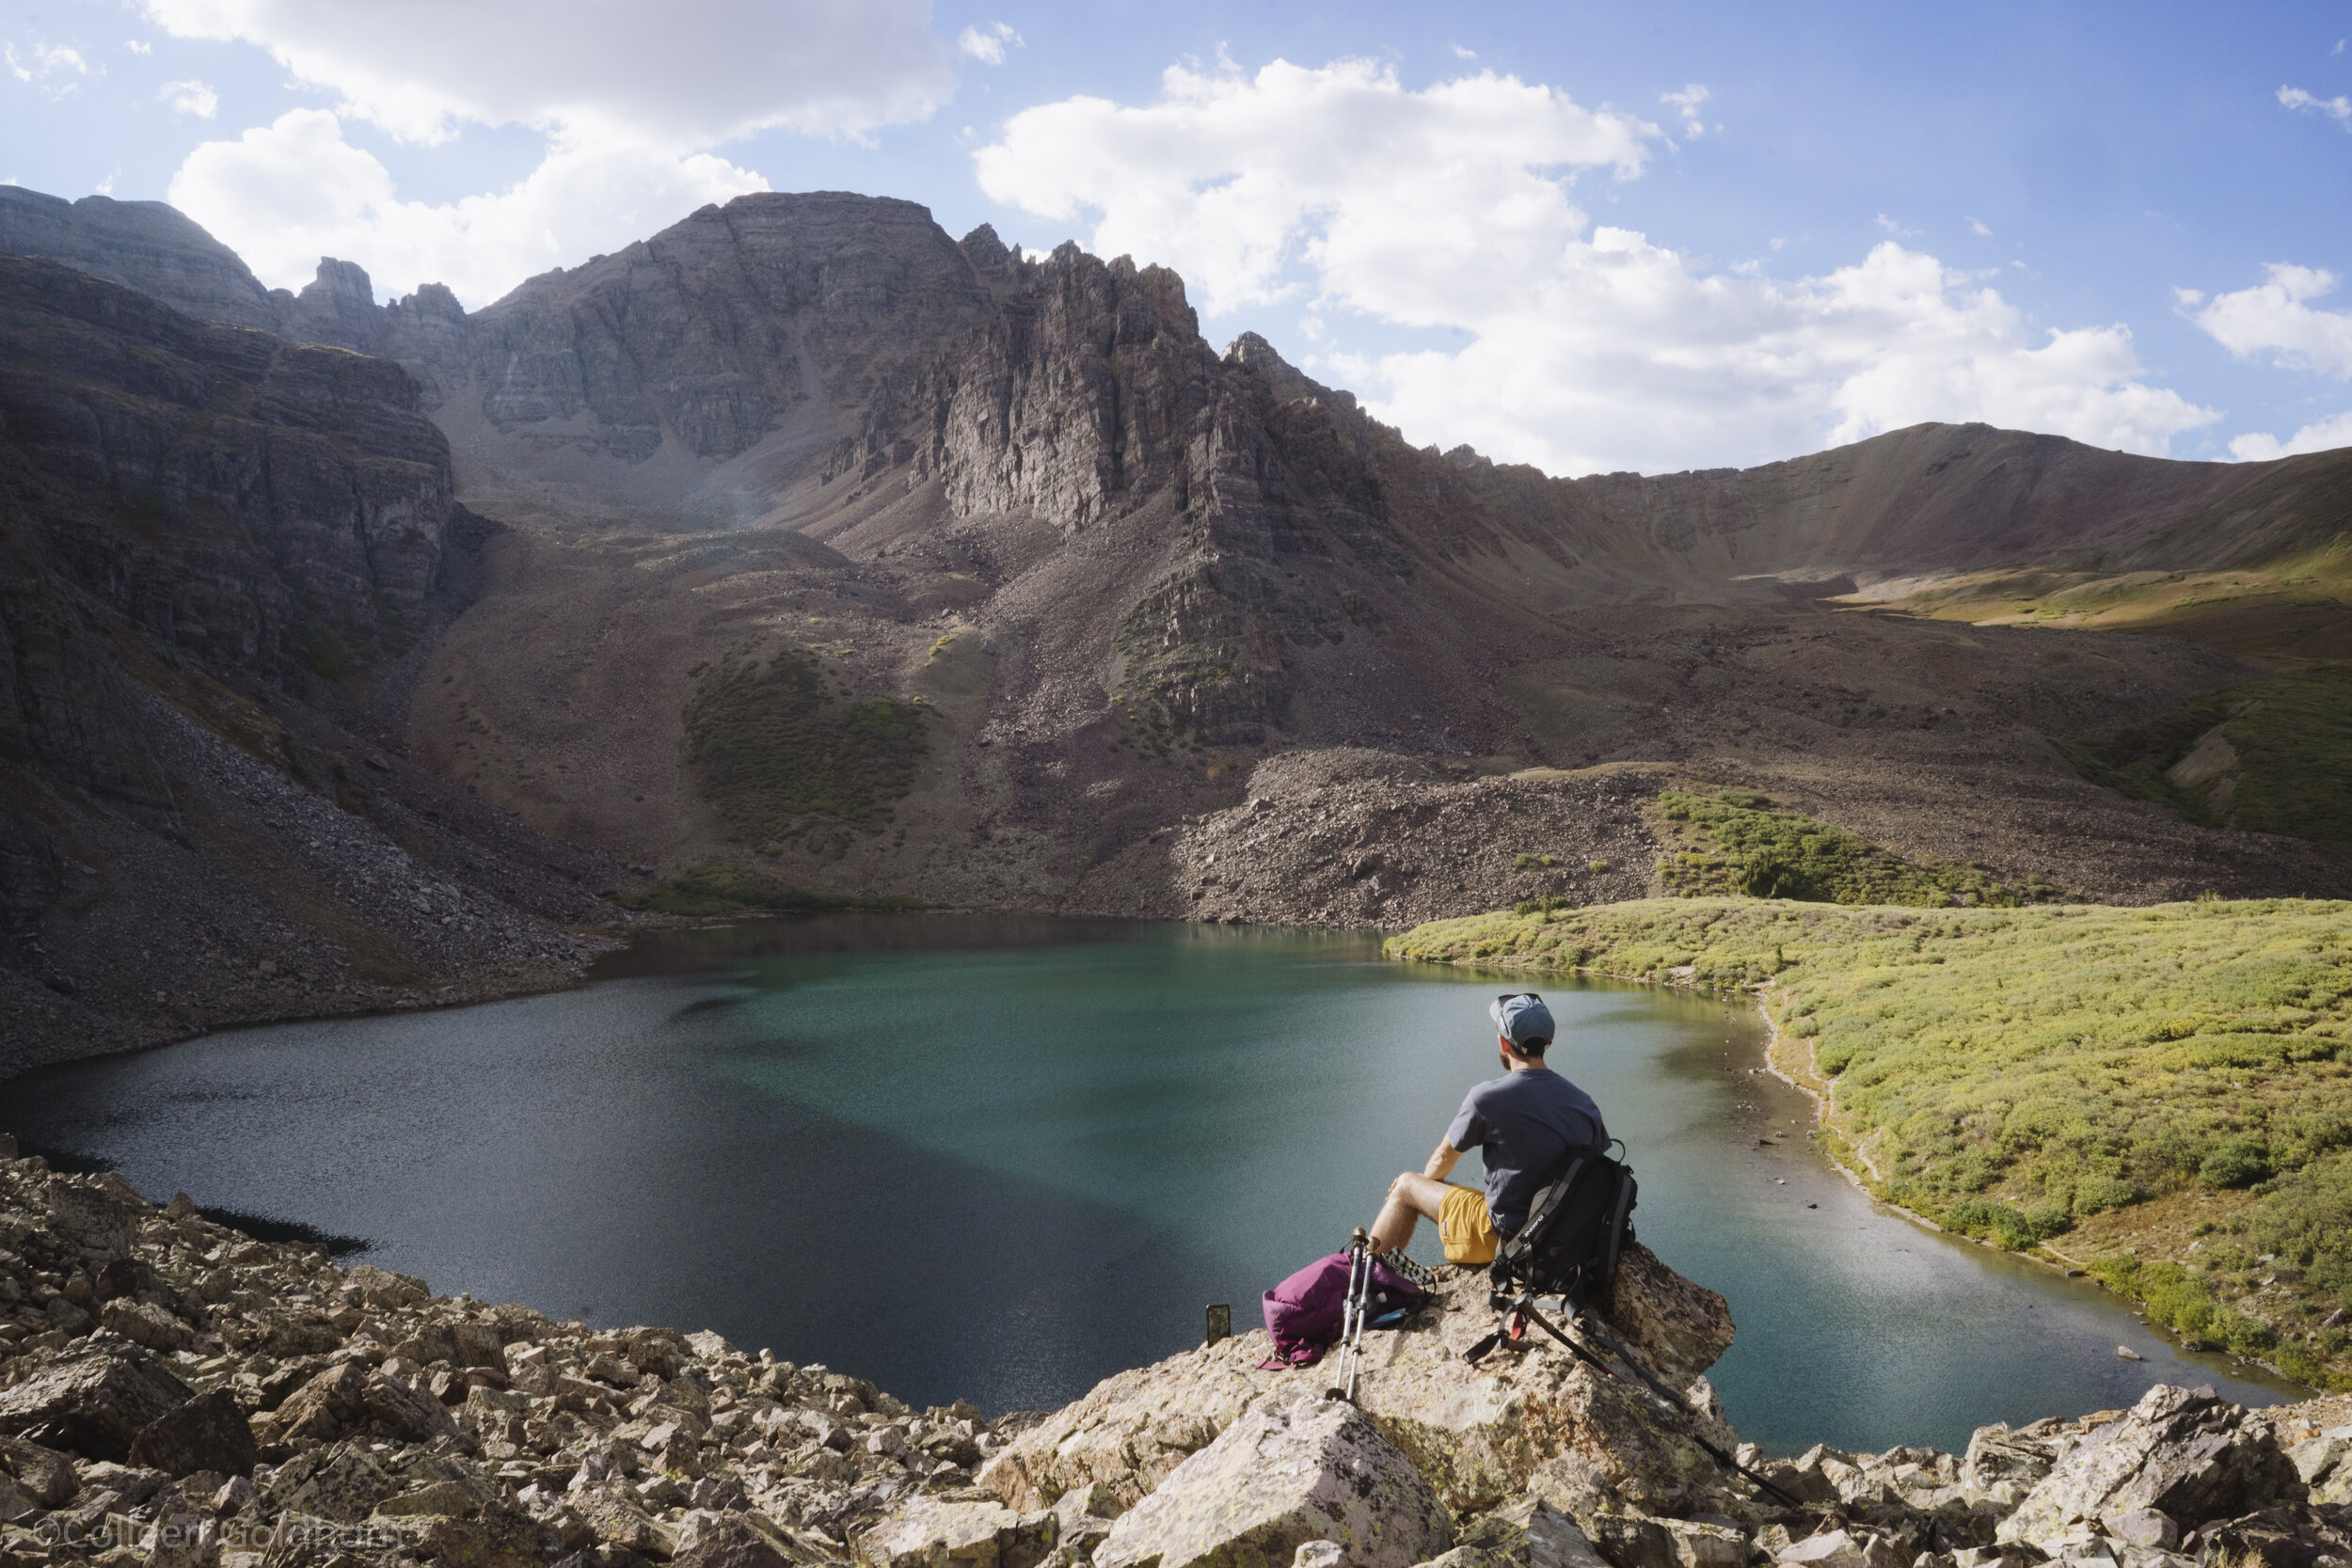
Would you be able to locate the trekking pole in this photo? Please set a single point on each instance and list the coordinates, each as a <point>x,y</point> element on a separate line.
<point>1361,1245</point>
<point>1351,1316</point>
<point>1526,1307</point>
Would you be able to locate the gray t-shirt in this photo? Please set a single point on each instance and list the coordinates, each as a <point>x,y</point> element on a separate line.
<point>1524,1123</point>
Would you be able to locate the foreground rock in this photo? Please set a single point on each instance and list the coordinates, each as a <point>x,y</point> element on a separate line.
<point>1284,1475</point>
<point>280,1411</point>
<point>277,1404</point>
<point>1528,1417</point>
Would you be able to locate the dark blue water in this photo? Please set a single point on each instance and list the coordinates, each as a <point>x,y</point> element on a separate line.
<point>1000,1159</point>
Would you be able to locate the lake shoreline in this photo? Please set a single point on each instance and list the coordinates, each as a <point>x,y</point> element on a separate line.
<point>1828,1141</point>
<point>758,1035</point>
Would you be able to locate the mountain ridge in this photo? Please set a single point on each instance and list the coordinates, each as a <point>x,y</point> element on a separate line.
<point>1149,601</point>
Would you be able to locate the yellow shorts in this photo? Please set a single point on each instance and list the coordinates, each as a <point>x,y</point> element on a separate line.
<point>1464,1226</point>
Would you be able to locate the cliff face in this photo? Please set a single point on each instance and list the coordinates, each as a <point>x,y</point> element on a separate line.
<point>172,458</point>
<point>211,538</point>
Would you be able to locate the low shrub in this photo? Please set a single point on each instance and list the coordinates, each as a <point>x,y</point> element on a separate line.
<point>2096,1195</point>
<point>2237,1163</point>
<point>2006,1225</point>
<point>1741,844</point>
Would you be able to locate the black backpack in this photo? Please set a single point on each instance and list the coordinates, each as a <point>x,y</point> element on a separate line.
<point>1575,1231</point>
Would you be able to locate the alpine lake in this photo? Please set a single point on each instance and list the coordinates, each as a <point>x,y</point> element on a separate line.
<point>999,1157</point>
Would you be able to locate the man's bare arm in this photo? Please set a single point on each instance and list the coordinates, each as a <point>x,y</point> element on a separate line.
<point>1441,1162</point>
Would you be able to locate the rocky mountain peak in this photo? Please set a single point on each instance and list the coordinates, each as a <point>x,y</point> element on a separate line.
<point>147,245</point>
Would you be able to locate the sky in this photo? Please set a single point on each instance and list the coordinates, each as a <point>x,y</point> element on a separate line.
<point>1592,237</point>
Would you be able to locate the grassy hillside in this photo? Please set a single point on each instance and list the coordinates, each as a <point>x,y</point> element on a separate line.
<point>1735,842</point>
<point>2273,757</point>
<point>2297,605</point>
<point>2165,1094</point>
<point>785,752</point>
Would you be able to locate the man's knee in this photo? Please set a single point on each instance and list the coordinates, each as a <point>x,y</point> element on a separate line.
<point>1425,1195</point>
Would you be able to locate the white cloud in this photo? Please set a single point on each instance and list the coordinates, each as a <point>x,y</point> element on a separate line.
<point>1688,100</point>
<point>284,195</point>
<point>42,66</point>
<point>1590,348</point>
<point>2275,317</point>
<point>1979,229</point>
<point>139,47</point>
<point>1229,177</point>
<point>699,73</point>
<point>2338,108</point>
<point>987,44</point>
<point>190,98</point>
<point>1462,54</point>
<point>2324,435</point>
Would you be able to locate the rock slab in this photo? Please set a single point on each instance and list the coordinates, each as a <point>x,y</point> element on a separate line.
<point>94,1401</point>
<point>207,1432</point>
<point>1311,1469</point>
<point>2179,1452</point>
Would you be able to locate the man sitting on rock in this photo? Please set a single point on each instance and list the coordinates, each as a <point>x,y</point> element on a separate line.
<point>1526,1123</point>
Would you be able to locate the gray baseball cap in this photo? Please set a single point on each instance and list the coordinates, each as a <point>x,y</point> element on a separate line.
<point>1521,1018</point>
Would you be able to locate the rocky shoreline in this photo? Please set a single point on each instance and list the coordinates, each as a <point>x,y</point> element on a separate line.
<point>175,1394</point>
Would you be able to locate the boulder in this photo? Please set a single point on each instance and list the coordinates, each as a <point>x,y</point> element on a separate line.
<point>341,1483</point>
<point>478,1345</point>
<point>17,1505</point>
<point>145,1323</point>
<point>93,1401</point>
<point>93,1215</point>
<point>603,1555</point>
<point>614,1513</point>
<point>1699,1545</point>
<point>738,1540</point>
<point>1285,1473</point>
<point>498,1537</point>
<point>131,1486</point>
<point>1528,1417</point>
<point>969,1529</point>
<point>2144,1527</point>
<point>1531,1533</point>
<point>207,1432</point>
<point>1843,1549</point>
<point>350,1399</point>
<point>124,1276</point>
<point>1996,1454</point>
<point>2181,1452</point>
<point>448,1499</point>
<point>382,1288</point>
<point>45,1474</point>
<point>1633,1540</point>
<point>2282,1537</point>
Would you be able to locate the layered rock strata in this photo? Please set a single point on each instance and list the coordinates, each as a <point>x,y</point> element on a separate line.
<point>210,539</point>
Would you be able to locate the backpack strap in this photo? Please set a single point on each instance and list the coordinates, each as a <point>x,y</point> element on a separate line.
<point>1540,1212</point>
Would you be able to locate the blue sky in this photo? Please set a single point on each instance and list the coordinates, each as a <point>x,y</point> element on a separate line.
<point>1589,236</point>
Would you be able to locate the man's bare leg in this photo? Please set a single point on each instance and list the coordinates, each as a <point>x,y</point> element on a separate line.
<point>1411,1197</point>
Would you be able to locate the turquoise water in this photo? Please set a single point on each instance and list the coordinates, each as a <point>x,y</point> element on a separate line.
<point>1000,1159</point>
